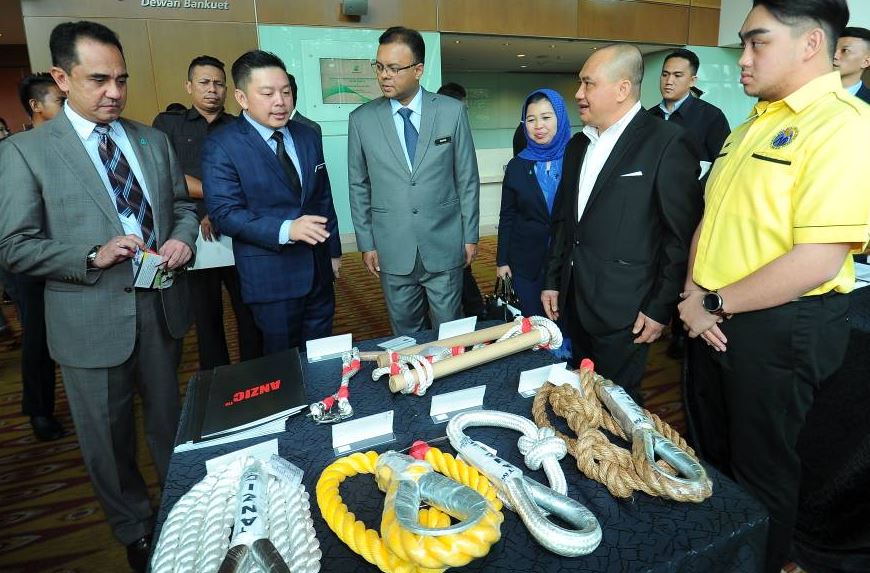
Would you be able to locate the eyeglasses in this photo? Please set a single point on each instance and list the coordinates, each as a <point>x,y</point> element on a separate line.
<point>390,71</point>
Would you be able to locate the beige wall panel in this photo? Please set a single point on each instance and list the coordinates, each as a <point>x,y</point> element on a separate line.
<point>238,10</point>
<point>707,3</point>
<point>704,27</point>
<point>676,2</point>
<point>629,21</point>
<point>418,14</point>
<point>142,96</point>
<point>174,44</point>
<point>552,18</point>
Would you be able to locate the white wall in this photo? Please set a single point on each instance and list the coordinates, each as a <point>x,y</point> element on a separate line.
<point>734,12</point>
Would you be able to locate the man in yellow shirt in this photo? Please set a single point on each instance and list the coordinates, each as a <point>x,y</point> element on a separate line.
<point>770,265</point>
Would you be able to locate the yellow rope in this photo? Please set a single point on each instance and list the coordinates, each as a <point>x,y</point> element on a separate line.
<point>401,551</point>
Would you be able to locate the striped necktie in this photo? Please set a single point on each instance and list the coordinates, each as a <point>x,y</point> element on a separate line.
<point>129,198</point>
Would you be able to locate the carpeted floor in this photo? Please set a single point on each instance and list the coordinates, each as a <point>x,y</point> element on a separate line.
<point>50,521</point>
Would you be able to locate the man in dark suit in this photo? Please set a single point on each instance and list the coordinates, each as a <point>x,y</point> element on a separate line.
<point>627,205</point>
<point>707,129</point>
<point>187,130</point>
<point>852,58</point>
<point>82,198</point>
<point>42,100</point>
<point>266,186</point>
<point>295,115</point>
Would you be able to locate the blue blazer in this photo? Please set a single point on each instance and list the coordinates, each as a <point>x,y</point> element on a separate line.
<point>863,94</point>
<point>248,197</point>
<point>523,223</point>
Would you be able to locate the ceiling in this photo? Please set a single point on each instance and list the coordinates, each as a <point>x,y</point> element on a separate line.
<point>473,53</point>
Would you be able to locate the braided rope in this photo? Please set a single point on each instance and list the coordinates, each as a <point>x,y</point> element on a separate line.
<point>621,470</point>
<point>196,535</point>
<point>399,550</point>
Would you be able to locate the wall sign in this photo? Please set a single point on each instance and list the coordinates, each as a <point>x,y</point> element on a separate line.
<point>187,4</point>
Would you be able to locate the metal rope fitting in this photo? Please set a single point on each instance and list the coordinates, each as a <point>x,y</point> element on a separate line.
<point>691,476</point>
<point>407,482</point>
<point>529,499</point>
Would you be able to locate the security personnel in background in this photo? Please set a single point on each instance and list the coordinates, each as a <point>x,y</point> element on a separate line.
<point>766,297</point>
<point>187,130</point>
<point>707,128</point>
<point>852,59</point>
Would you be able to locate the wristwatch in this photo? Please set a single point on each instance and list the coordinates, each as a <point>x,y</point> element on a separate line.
<point>92,256</point>
<point>713,303</point>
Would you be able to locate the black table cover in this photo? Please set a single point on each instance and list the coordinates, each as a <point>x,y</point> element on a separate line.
<point>725,533</point>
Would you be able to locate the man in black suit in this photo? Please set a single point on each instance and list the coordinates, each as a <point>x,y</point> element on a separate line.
<point>295,115</point>
<point>627,205</point>
<point>707,129</point>
<point>187,130</point>
<point>852,58</point>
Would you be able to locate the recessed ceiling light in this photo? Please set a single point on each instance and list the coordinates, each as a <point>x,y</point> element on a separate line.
<point>457,41</point>
<point>524,66</point>
<point>521,55</point>
<point>552,45</point>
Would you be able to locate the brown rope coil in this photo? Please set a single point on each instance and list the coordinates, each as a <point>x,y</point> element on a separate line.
<point>621,470</point>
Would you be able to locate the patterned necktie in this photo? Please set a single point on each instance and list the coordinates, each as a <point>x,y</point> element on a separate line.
<point>286,164</point>
<point>410,133</point>
<point>129,198</point>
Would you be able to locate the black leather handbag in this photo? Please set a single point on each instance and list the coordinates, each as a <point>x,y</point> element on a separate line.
<point>503,304</point>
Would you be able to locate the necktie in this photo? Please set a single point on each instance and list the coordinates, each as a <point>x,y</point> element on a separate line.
<point>410,133</point>
<point>286,164</point>
<point>129,198</point>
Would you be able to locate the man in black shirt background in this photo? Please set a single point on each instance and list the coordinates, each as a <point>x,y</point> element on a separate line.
<point>187,131</point>
<point>707,129</point>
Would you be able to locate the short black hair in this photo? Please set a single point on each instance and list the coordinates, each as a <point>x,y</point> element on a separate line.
<point>253,60</point>
<point>204,61</point>
<point>407,36</point>
<point>176,107</point>
<point>856,32</point>
<point>34,86</point>
<point>293,88</point>
<point>62,43</point>
<point>831,15</point>
<point>454,90</point>
<point>689,55</point>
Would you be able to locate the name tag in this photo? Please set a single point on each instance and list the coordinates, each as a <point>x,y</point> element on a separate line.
<point>443,140</point>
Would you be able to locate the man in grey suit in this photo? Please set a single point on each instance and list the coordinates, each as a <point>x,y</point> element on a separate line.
<point>82,197</point>
<point>414,188</point>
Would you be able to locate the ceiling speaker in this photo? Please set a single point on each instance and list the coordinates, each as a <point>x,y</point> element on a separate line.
<point>355,7</point>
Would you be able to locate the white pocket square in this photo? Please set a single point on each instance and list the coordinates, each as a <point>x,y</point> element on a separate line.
<point>319,166</point>
<point>634,174</point>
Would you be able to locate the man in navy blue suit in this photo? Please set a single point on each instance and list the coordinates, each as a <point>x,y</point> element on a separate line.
<point>852,59</point>
<point>265,185</point>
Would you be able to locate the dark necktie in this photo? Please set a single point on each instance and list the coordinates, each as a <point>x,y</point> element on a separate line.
<point>410,133</point>
<point>286,163</point>
<point>129,198</point>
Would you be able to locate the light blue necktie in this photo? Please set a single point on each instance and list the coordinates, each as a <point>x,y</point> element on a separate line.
<point>410,133</point>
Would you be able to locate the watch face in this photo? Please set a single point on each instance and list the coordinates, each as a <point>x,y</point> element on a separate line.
<point>712,302</point>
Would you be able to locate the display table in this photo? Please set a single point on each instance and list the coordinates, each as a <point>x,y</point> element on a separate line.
<point>725,533</point>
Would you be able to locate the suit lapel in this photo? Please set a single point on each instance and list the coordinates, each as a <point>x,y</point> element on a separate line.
<point>576,168</point>
<point>69,148</point>
<point>427,123</point>
<point>302,152</point>
<point>260,148</point>
<point>385,117</point>
<point>143,149</point>
<point>532,183</point>
<point>627,141</point>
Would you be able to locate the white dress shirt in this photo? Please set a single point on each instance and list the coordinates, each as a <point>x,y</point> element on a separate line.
<point>416,106</point>
<point>599,149</point>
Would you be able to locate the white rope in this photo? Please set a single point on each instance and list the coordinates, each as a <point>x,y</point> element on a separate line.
<point>196,535</point>
<point>529,499</point>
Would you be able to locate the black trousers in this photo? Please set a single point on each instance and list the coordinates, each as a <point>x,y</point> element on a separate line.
<point>208,310</point>
<point>615,355</point>
<point>750,402</point>
<point>37,367</point>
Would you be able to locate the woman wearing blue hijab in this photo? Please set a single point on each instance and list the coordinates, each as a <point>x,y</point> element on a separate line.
<point>527,196</point>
